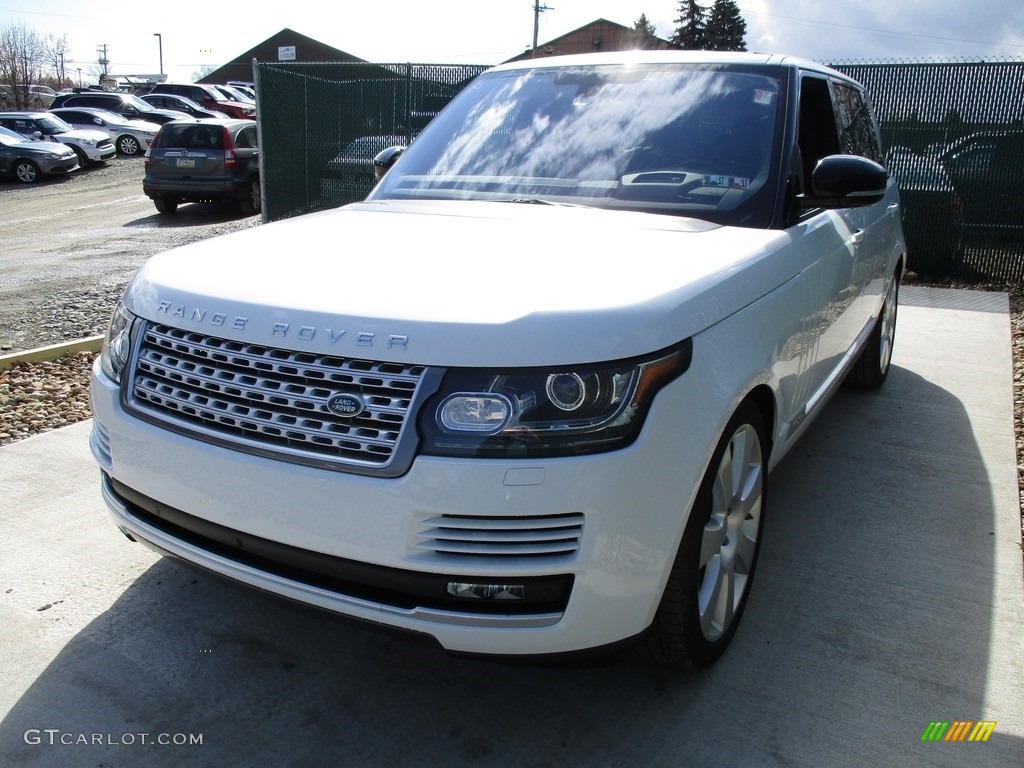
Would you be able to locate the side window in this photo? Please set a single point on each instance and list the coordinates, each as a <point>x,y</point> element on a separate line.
<point>817,135</point>
<point>857,132</point>
<point>248,137</point>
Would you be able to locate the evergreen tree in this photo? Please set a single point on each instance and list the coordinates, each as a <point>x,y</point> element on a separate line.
<point>690,26</point>
<point>725,28</point>
<point>644,35</point>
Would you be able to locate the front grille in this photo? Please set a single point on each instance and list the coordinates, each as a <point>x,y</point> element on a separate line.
<point>274,401</point>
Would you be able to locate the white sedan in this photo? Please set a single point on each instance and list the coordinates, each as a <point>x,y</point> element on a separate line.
<point>131,137</point>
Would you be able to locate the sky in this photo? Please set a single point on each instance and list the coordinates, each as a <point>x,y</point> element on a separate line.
<point>195,34</point>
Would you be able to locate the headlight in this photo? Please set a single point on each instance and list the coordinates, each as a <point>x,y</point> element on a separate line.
<point>117,344</point>
<point>563,411</point>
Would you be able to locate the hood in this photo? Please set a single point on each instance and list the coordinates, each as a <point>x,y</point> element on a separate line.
<point>462,283</point>
<point>45,145</point>
<point>78,134</point>
<point>135,125</point>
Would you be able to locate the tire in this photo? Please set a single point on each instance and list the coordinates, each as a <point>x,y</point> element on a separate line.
<point>166,205</point>
<point>26,171</point>
<point>872,367</point>
<point>710,580</point>
<point>252,203</point>
<point>83,159</point>
<point>128,145</point>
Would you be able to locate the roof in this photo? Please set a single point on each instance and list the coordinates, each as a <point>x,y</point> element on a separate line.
<point>673,56</point>
<point>287,43</point>
<point>597,36</point>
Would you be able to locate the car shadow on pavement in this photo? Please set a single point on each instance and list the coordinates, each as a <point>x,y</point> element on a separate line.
<point>192,214</point>
<point>870,617</point>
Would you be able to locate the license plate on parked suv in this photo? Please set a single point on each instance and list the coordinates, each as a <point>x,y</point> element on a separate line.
<point>185,162</point>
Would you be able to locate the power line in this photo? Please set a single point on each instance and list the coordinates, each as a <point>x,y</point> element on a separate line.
<point>43,13</point>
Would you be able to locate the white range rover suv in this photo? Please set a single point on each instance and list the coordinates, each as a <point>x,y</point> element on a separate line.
<point>524,399</point>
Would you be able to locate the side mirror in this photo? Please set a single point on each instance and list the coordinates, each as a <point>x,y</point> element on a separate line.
<point>845,181</point>
<point>384,160</point>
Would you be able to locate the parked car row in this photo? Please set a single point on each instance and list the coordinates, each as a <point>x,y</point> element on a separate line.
<point>210,97</point>
<point>124,104</point>
<point>90,145</point>
<point>36,143</point>
<point>131,137</point>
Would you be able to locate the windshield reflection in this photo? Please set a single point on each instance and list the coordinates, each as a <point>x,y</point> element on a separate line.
<point>673,139</point>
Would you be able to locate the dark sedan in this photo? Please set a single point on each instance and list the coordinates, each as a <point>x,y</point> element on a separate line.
<point>182,104</point>
<point>29,160</point>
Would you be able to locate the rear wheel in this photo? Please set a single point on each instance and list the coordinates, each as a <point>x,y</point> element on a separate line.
<point>128,145</point>
<point>166,205</point>
<point>26,171</point>
<point>872,367</point>
<point>252,203</point>
<point>710,580</point>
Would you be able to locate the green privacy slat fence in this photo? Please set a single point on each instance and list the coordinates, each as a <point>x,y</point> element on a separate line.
<point>322,123</point>
<point>955,144</point>
<point>954,134</point>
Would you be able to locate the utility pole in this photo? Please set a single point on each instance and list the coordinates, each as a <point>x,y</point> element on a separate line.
<point>538,9</point>
<point>160,40</point>
<point>103,61</point>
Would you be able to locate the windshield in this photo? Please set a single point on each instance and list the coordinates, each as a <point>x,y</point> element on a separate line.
<point>107,116</point>
<point>138,103</point>
<point>51,125</point>
<point>678,139</point>
<point>9,138</point>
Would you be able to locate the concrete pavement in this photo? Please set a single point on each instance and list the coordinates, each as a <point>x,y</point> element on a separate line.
<point>889,595</point>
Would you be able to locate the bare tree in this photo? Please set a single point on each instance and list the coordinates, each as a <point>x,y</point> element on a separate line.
<point>203,71</point>
<point>58,51</point>
<point>21,61</point>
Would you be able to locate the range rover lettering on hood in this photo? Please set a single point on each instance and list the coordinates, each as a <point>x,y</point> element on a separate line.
<point>283,330</point>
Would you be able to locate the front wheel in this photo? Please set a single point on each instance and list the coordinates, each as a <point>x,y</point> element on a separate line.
<point>711,577</point>
<point>872,367</point>
<point>26,171</point>
<point>128,145</point>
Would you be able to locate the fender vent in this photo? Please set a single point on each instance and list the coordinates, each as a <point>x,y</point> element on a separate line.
<point>503,537</point>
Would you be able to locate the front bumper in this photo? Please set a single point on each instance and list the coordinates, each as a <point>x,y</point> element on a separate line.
<point>55,167</point>
<point>257,517</point>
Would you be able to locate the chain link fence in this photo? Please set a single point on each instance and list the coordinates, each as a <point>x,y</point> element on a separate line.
<point>954,133</point>
<point>322,123</point>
